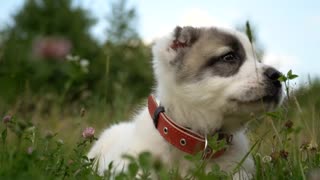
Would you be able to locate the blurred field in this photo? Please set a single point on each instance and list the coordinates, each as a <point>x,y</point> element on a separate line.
<point>56,80</point>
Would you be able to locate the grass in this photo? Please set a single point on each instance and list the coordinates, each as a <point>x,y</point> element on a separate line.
<point>42,139</point>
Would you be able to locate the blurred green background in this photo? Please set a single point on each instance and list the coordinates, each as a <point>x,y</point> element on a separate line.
<point>51,67</point>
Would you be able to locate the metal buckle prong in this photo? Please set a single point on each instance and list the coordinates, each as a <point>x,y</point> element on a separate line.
<point>204,153</point>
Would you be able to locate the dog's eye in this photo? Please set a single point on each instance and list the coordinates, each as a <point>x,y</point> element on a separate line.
<point>229,57</point>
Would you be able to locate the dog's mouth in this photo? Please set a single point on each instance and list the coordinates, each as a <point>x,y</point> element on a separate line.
<point>264,99</point>
<point>271,95</point>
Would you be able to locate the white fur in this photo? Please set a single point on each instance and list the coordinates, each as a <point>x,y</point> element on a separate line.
<point>208,101</point>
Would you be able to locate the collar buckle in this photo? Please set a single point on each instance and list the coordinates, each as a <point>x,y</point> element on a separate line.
<point>156,114</point>
<point>207,150</point>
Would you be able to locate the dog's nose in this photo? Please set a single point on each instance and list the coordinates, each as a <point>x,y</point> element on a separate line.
<point>273,75</point>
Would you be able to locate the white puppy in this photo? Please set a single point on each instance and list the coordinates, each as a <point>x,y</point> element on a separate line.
<point>208,82</point>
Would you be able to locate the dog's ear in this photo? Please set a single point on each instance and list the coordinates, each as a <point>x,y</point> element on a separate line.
<point>184,37</point>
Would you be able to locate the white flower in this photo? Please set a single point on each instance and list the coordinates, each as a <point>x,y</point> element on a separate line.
<point>84,63</point>
<point>60,142</point>
<point>71,58</point>
<point>266,159</point>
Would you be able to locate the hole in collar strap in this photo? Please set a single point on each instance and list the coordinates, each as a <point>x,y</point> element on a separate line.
<point>156,114</point>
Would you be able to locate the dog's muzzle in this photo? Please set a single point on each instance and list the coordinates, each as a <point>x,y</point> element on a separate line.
<point>273,87</point>
<point>273,76</point>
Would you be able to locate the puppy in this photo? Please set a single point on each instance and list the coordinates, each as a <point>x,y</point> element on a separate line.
<point>208,83</point>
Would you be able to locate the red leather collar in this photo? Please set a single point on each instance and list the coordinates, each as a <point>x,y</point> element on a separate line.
<point>181,137</point>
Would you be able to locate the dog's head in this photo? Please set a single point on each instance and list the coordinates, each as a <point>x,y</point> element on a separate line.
<point>216,70</point>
